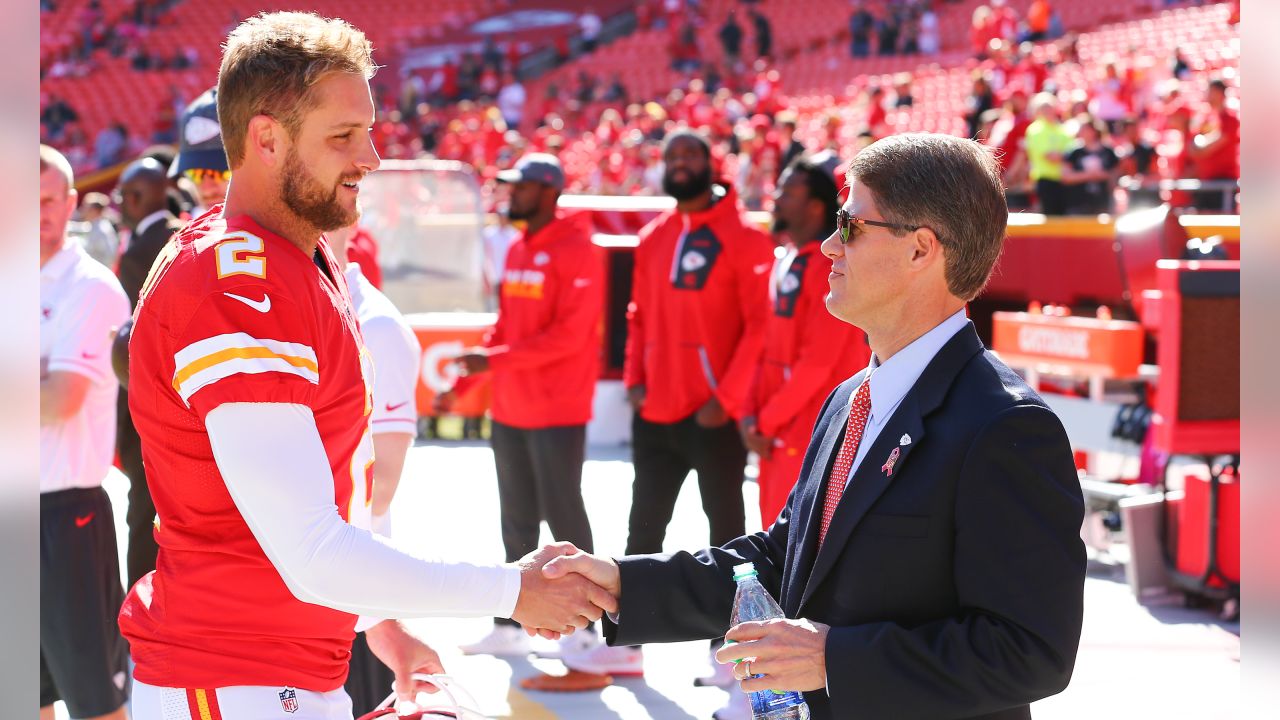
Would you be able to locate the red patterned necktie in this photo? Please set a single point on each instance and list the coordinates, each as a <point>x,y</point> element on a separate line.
<point>859,411</point>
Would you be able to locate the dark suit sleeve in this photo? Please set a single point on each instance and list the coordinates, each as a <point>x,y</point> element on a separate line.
<point>689,596</point>
<point>1019,576</point>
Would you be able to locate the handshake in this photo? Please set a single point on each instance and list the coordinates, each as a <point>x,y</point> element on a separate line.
<point>563,589</point>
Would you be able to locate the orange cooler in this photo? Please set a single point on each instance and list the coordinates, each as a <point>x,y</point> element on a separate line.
<point>443,337</point>
<point>1087,346</point>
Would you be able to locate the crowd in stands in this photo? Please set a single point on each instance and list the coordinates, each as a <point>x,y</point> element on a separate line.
<point>1144,123</point>
<point>1133,116</point>
<point>123,34</point>
<point>900,28</point>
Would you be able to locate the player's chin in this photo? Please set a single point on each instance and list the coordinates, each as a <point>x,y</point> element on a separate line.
<point>347,203</point>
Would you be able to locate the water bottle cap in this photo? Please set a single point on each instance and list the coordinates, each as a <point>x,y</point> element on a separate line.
<point>744,571</point>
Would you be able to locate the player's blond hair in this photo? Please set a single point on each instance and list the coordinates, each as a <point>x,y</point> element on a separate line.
<point>51,158</point>
<point>270,65</point>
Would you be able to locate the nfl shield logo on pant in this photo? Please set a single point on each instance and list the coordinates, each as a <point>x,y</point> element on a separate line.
<point>289,700</point>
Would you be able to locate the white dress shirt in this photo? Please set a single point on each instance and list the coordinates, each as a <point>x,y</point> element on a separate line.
<point>891,380</point>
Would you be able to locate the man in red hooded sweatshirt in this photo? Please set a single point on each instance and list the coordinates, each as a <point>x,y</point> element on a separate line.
<point>695,330</point>
<point>695,335</point>
<point>807,350</point>
<point>544,352</point>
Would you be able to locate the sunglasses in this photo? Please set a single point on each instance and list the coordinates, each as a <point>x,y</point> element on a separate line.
<point>845,221</point>
<point>199,175</point>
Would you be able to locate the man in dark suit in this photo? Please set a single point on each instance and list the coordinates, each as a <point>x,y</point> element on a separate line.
<point>144,208</point>
<point>928,561</point>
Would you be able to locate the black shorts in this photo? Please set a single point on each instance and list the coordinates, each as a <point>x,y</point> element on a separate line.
<point>369,681</point>
<point>83,658</point>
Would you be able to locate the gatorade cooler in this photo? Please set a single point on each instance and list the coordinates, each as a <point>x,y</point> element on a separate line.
<point>443,337</point>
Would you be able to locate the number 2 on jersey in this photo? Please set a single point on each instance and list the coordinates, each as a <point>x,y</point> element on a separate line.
<point>241,254</point>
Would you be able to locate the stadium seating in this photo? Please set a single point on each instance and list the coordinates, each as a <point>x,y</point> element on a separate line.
<point>60,28</point>
<point>817,76</point>
<point>810,39</point>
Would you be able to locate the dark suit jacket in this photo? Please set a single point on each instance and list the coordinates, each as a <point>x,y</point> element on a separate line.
<point>135,265</point>
<point>137,259</point>
<point>953,587</point>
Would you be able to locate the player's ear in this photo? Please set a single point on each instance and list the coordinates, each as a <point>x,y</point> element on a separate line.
<point>263,139</point>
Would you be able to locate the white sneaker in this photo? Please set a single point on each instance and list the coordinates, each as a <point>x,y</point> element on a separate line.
<point>738,707</point>
<point>502,640</point>
<point>578,643</point>
<point>605,660</point>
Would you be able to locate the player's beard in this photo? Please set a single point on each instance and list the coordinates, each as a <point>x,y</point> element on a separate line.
<point>696,185</point>
<point>305,196</point>
<point>517,213</point>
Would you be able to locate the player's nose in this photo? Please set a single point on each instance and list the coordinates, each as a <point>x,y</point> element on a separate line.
<point>368,160</point>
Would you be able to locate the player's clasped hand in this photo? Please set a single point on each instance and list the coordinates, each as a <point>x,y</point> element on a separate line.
<point>712,414</point>
<point>472,362</point>
<point>555,606</point>
<point>785,654</point>
<point>756,441</point>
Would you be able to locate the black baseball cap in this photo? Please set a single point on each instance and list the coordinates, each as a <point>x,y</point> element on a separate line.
<point>539,167</point>
<point>200,137</point>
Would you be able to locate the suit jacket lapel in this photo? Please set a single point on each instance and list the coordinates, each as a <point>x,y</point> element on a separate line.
<point>871,478</point>
<point>812,494</point>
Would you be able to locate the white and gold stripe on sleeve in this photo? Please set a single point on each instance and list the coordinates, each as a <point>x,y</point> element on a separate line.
<point>207,361</point>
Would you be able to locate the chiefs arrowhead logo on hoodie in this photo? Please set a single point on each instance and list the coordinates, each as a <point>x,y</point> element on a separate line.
<point>787,289</point>
<point>695,256</point>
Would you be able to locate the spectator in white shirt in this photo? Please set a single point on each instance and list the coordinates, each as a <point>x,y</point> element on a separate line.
<point>511,99</point>
<point>100,239</point>
<point>589,23</point>
<point>83,658</point>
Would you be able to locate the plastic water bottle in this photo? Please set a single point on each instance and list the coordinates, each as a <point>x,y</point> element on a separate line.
<point>753,602</point>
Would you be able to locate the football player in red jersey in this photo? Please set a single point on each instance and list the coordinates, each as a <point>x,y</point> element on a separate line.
<point>251,391</point>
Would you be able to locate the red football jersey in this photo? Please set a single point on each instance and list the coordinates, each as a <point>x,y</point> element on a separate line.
<point>234,313</point>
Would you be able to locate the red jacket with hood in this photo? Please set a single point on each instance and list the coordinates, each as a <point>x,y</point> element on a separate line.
<point>807,350</point>
<point>695,323</point>
<point>544,349</point>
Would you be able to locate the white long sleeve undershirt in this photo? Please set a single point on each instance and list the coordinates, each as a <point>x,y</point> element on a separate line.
<point>271,457</point>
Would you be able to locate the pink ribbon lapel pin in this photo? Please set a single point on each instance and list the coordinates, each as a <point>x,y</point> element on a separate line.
<point>887,468</point>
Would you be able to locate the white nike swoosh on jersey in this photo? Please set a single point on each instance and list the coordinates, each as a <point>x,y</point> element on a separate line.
<point>581,282</point>
<point>761,268</point>
<point>261,306</point>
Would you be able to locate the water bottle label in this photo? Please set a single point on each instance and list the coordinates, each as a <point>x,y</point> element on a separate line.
<point>763,701</point>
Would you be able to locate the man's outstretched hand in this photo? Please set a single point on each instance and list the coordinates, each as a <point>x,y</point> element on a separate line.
<point>602,571</point>
<point>558,603</point>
